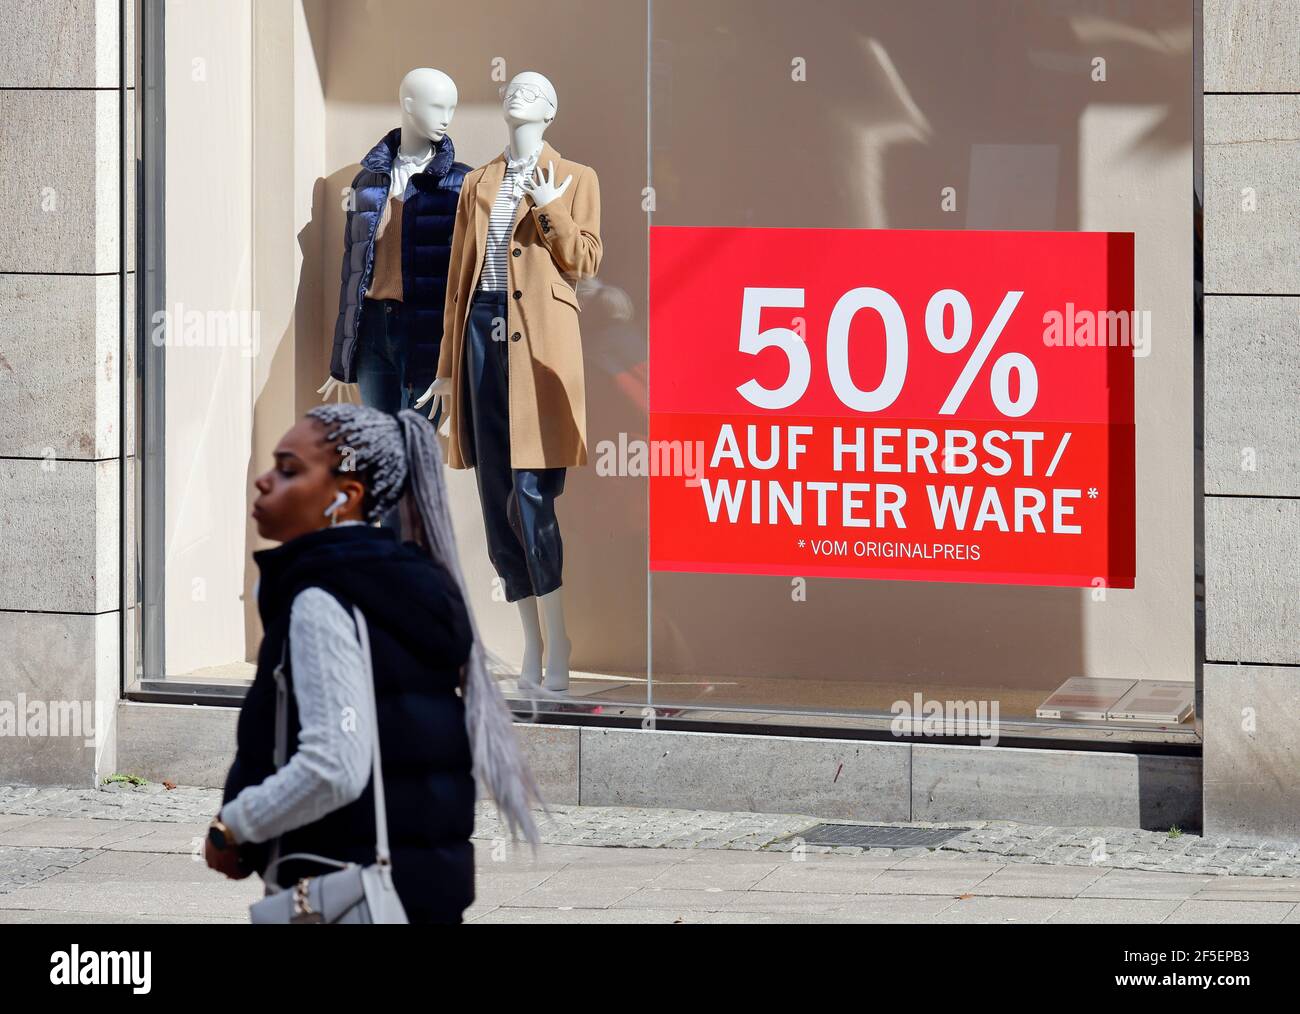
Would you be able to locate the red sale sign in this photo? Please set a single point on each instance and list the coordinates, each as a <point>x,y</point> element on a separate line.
<point>893,404</point>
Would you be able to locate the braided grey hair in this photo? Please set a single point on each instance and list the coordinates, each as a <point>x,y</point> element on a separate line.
<point>369,443</point>
<point>399,461</point>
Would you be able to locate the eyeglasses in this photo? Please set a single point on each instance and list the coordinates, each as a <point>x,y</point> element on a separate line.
<point>529,93</point>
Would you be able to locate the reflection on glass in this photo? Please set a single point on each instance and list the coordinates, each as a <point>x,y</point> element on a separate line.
<point>1065,116</point>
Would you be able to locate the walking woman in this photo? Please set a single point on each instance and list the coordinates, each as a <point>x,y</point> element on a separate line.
<point>441,719</point>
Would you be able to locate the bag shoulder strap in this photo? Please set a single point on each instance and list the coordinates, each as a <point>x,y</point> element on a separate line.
<point>280,756</point>
<point>382,854</point>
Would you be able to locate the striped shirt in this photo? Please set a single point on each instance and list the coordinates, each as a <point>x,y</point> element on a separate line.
<point>495,276</point>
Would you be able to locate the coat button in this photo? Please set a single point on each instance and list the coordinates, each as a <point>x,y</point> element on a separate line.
<point>516,336</point>
<point>518,294</point>
<point>516,252</point>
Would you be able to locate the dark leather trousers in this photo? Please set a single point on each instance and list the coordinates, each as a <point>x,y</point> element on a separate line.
<point>523,534</point>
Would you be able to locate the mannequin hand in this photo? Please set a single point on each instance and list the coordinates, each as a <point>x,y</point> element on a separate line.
<point>338,390</point>
<point>440,389</point>
<point>543,189</point>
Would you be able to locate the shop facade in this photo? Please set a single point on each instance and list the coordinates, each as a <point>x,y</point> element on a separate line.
<point>173,300</point>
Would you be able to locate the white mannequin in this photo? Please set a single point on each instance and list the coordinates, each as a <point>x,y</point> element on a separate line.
<point>527,120</point>
<point>428,100</point>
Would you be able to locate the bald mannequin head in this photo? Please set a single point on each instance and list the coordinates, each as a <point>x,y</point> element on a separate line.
<point>530,98</point>
<point>428,98</point>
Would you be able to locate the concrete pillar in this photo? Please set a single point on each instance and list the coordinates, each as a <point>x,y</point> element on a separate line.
<point>1252,417</point>
<point>62,297</point>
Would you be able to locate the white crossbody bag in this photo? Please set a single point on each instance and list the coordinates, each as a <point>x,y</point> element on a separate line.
<point>353,893</point>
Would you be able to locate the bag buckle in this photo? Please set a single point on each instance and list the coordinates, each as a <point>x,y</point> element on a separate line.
<point>302,910</point>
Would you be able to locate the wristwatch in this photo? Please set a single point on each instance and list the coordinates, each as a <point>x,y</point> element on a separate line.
<point>220,835</point>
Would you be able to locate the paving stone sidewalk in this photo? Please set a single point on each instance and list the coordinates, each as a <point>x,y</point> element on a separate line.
<point>637,827</point>
<point>20,866</point>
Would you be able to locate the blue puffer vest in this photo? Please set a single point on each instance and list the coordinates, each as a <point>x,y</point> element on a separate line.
<point>428,220</point>
<point>419,638</point>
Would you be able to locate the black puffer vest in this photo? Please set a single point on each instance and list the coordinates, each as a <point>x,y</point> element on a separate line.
<point>428,222</point>
<point>419,639</point>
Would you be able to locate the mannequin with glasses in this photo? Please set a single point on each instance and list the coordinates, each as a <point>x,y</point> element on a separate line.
<point>510,382</point>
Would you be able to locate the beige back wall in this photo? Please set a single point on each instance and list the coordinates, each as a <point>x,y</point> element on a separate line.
<point>209,383</point>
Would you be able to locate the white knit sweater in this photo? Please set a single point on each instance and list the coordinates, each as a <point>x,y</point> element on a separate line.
<point>331,766</point>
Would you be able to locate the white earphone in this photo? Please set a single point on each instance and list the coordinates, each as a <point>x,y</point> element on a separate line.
<point>339,500</point>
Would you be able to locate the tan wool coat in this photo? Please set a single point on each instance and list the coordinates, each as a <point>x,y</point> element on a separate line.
<point>551,247</point>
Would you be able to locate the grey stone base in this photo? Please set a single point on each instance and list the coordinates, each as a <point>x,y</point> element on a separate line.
<point>183,743</point>
<point>849,779</point>
<point>1252,750</point>
<point>883,781</point>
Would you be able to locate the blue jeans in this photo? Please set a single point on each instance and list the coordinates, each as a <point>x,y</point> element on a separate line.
<point>518,504</point>
<point>381,368</point>
<point>381,357</point>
